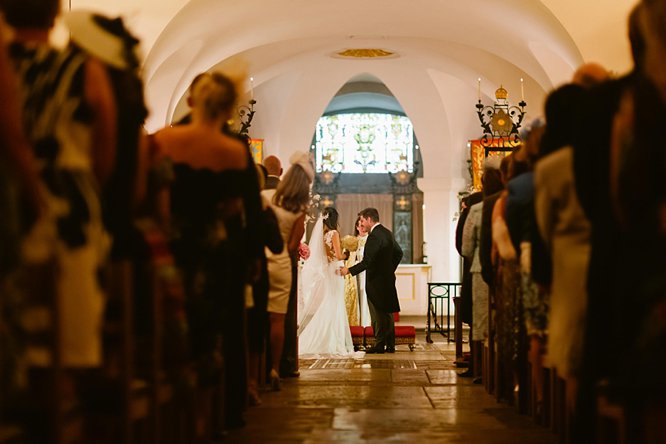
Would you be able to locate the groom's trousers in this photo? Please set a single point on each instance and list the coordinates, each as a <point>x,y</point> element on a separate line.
<point>383,326</point>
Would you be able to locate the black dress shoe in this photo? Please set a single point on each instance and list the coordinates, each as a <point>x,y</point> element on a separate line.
<point>375,350</point>
<point>390,349</point>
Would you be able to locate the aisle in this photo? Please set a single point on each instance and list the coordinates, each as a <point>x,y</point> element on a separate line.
<point>403,397</point>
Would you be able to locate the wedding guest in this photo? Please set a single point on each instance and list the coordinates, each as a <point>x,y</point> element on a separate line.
<point>591,162</point>
<point>350,248</point>
<point>637,306</point>
<point>289,359</point>
<point>364,309</point>
<point>214,236</point>
<point>108,41</point>
<point>69,118</point>
<point>257,315</point>
<point>274,168</point>
<point>565,231</point>
<point>471,241</point>
<point>18,168</point>
<point>489,200</point>
<point>526,240</point>
<point>289,202</point>
<point>19,190</point>
<point>187,118</point>
<point>506,296</point>
<point>590,74</point>
<point>465,301</point>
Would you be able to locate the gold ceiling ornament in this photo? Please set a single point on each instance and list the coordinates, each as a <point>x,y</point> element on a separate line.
<point>365,53</point>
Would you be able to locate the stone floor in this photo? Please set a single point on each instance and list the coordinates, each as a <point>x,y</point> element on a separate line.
<point>410,396</point>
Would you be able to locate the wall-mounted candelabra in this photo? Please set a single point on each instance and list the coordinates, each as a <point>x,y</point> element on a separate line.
<point>501,121</point>
<point>246,114</point>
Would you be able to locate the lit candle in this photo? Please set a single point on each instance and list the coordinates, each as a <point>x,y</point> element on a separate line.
<point>522,90</point>
<point>251,88</point>
<point>423,209</point>
<point>478,90</point>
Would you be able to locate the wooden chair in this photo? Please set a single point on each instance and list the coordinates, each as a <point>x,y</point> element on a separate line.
<point>53,414</point>
<point>457,329</point>
<point>118,403</point>
<point>10,433</point>
<point>544,416</point>
<point>163,412</point>
<point>611,420</point>
<point>485,367</point>
<point>558,409</point>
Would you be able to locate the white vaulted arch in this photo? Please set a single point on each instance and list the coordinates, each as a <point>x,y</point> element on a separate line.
<point>441,49</point>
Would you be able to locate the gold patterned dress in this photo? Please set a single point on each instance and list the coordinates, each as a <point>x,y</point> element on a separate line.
<point>350,244</point>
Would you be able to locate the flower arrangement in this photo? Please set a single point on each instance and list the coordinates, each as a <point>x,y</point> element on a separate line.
<point>303,251</point>
<point>349,243</point>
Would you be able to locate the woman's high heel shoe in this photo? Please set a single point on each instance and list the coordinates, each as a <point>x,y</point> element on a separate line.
<point>275,381</point>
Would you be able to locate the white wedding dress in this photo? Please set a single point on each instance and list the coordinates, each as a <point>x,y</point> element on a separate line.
<point>323,328</point>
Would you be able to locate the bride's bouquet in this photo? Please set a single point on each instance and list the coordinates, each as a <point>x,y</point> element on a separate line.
<point>303,251</point>
<point>349,243</point>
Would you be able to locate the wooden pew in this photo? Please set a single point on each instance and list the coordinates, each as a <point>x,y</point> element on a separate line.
<point>52,413</point>
<point>118,404</point>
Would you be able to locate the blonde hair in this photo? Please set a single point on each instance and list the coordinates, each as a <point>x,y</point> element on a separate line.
<point>293,192</point>
<point>213,95</point>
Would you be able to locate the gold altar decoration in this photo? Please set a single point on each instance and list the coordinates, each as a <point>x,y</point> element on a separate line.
<point>478,155</point>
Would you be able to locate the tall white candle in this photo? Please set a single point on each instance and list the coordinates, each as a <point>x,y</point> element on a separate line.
<point>522,90</point>
<point>478,89</point>
<point>251,88</point>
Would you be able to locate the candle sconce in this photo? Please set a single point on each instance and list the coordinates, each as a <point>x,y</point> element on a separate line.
<point>246,114</point>
<point>500,122</point>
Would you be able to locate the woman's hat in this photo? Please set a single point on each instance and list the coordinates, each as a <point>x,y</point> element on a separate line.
<point>302,159</point>
<point>104,38</point>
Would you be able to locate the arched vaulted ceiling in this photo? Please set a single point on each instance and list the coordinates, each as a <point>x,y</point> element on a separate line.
<point>442,48</point>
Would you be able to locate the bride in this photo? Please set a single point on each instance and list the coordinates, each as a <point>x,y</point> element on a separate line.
<point>322,316</point>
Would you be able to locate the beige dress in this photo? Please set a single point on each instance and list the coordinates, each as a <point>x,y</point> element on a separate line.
<point>471,245</point>
<point>566,231</point>
<point>279,265</point>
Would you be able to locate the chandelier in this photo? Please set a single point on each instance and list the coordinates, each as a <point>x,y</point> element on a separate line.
<point>501,121</point>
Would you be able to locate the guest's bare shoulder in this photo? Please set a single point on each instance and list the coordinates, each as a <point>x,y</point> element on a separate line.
<point>232,153</point>
<point>170,140</point>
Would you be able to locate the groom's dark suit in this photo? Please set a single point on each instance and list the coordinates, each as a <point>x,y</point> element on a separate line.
<point>380,259</point>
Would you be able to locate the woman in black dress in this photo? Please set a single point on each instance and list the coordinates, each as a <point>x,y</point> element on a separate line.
<point>214,206</point>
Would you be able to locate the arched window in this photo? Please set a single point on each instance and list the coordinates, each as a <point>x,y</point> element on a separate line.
<point>364,143</point>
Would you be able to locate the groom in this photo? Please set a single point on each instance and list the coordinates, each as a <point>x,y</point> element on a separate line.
<point>381,257</point>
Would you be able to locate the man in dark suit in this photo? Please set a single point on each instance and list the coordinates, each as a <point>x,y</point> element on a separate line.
<point>274,168</point>
<point>381,258</point>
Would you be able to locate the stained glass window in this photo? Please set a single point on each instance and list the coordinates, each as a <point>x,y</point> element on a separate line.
<point>364,143</point>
